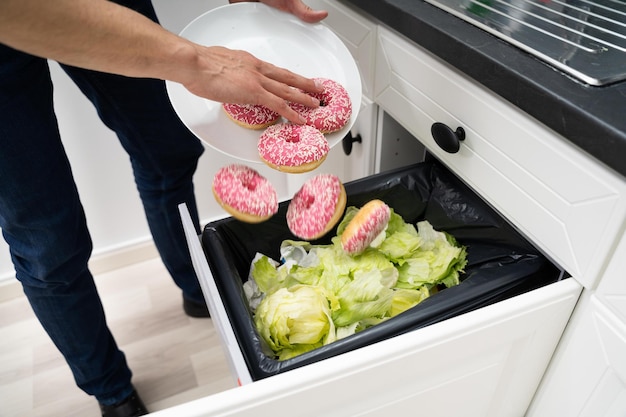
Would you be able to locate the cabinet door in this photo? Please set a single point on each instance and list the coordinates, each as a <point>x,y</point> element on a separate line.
<point>612,289</point>
<point>587,377</point>
<point>562,200</point>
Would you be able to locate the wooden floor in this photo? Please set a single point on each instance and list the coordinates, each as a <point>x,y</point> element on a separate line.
<point>174,358</point>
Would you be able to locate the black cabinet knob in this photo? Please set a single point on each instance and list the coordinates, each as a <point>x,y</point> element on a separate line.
<point>347,142</point>
<point>447,139</point>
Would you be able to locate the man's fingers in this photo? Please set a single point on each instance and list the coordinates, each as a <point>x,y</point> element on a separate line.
<point>290,86</point>
<point>306,14</point>
<point>281,107</point>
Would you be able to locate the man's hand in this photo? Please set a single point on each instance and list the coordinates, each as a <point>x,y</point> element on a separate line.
<point>233,76</point>
<point>265,84</point>
<point>295,7</point>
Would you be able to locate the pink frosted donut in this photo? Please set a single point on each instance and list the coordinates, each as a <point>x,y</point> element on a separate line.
<point>244,193</point>
<point>251,116</point>
<point>365,226</point>
<point>316,207</point>
<point>293,148</point>
<point>334,111</point>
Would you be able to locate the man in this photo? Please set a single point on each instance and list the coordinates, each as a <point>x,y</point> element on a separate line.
<point>118,56</point>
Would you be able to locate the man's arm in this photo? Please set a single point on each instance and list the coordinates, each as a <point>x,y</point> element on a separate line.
<point>103,36</point>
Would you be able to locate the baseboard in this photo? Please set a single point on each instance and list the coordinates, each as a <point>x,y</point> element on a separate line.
<point>100,263</point>
<point>121,257</point>
<point>10,289</point>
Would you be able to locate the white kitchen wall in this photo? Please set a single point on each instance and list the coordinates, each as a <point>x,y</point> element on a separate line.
<point>101,167</point>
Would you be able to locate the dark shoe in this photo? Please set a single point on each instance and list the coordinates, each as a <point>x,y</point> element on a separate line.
<point>197,310</point>
<point>130,407</point>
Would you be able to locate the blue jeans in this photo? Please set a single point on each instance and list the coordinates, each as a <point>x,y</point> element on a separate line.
<point>42,218</point>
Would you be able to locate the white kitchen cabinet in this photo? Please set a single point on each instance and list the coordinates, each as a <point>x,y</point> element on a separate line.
<point>562,200</point>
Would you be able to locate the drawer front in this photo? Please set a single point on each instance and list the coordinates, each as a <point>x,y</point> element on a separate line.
<point>211,294</point>
<point>490,359</point>
<point>357,33</point>
<point>567,204</point>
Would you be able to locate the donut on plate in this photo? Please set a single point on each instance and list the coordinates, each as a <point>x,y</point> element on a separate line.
<point>365,226</point>
<point>316,207</point>
<point>334,111</point>
<point>244,193</point>
<point>251,116</point>
<point>293,148</point>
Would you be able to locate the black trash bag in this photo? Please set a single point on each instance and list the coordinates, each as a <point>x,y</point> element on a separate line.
<point>501,263</point>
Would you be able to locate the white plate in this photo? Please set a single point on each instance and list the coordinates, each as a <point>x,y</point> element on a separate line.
<point>310,50</point>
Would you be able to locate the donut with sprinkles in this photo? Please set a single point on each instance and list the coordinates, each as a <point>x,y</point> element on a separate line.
<point>293,148</point>
<point>334,111</point>
<point>251,116</point>
<point>317,207</point>
<point>244,193</point>
<point>365,226</point>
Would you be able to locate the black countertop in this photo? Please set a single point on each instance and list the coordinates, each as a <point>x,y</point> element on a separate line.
<point>593,118</point>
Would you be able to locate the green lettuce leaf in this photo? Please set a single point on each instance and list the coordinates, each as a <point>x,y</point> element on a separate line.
<point>404,299</point>
<point>445,260</point>
<point>294,317</point>
<point>397,224</point>
<point>366,296</point>
<point>399,245</point>
<point>414,273</point>
<point>265,274</point>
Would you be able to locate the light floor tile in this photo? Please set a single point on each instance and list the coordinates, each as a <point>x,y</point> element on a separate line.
<point>174,358</point>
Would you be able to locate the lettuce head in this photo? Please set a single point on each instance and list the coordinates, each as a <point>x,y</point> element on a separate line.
<point>295,318</point>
